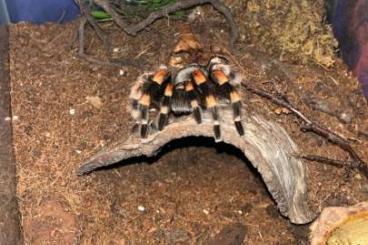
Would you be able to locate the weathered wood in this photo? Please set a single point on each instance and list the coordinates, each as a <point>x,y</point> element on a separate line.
<point>9,216</point>
<point>265,143</point>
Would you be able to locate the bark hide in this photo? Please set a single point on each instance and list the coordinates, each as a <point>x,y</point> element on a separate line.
<point>265,143</point>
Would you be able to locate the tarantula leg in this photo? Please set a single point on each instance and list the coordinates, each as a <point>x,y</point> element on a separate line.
<point>235,101</point>
<point>152,90</point>
<point>194,101</point>
<point>228,91</point>
<point>201,81</point>
<point>135,95</point>
<point>236,105</point>
<point>237,120</point>
<point>211,104</point>
<point>165,106</point>
<point>154,85</point>
<point>144,106</point>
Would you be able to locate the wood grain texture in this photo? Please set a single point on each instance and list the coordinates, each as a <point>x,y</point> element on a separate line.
<point>265,143</point>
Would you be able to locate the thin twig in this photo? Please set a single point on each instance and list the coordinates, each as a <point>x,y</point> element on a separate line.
<point>346,165</point>
<point>278,101</point>
<point>100,33</point>
<point>82,24</point>
<point>333,162</point>
<point>105,40</point>
<point>105,4</point>
<point>363,133</point>
<point>94,60</point>
<point>325,107</point>
<point>81,52</point>
<point>310,126</point>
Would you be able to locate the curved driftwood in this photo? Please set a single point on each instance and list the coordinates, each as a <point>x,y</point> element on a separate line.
<point>266,144</point>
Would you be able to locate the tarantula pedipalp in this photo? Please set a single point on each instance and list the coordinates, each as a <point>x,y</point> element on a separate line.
<point>195,89</point>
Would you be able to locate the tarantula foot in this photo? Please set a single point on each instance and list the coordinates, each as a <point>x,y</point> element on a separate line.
<point>144,131</point>
<point>197,115</point>
<point>162,121</point>
<point>217,131</point>
<point>239,127</point>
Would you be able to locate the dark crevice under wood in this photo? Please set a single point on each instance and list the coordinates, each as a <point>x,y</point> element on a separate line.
<point>265,143</point>
<point>10,232</point>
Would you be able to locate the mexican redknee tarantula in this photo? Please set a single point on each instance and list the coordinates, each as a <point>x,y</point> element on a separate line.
<point>195,89</point>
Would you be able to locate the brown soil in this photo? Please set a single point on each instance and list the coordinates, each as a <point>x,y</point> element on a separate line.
<point>195,191</point>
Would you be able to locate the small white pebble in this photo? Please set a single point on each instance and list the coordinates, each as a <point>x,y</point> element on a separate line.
<point>115,50</point>
<point>121,72</point>
<point>71,111</point>
<point>78,151</point>
<point>240,212</point>
<point>7,119</point>
<point>15,118</point>
<point>141,208</point>
<point>206,212</point>
<point>358,176</point>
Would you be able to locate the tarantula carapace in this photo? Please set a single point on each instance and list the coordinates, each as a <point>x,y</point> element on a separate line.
<point>195,89</point>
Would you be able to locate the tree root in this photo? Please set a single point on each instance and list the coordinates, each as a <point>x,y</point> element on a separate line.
<point>179,5</point>
<point>102,36</point>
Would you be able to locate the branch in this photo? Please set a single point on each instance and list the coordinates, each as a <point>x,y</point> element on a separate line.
<point>310,126</point>
<point>105,4</point>
<point>165,11</point>
<point>81,52</point>
<point>94,60</point>
<point>278,101</point>
<point>333,162</point>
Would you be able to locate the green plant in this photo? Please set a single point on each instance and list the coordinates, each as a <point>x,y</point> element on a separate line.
<point>131,8</point>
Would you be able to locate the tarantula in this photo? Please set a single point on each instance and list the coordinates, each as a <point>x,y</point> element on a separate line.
<point>195,89</point>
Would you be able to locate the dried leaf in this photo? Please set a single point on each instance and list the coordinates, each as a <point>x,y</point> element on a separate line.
<point>281,110</point>
<point>95,101</point>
